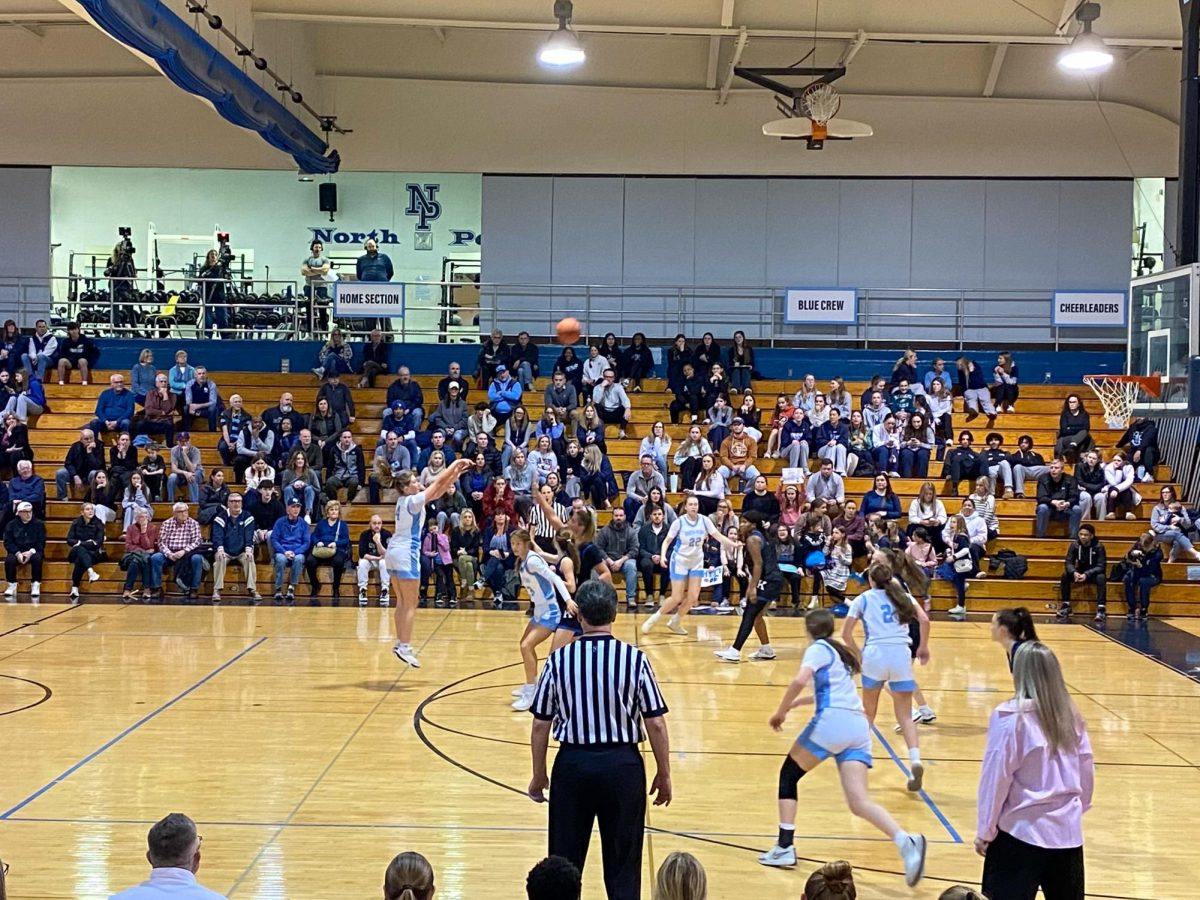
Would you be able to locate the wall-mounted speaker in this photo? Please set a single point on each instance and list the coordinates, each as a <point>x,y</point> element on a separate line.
<point>328,196</point>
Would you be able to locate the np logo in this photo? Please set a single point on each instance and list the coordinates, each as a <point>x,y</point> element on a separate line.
<point>423,203</point>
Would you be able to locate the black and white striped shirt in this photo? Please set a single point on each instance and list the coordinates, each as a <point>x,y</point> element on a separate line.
<point>539,523</point>
<point>598,690</point>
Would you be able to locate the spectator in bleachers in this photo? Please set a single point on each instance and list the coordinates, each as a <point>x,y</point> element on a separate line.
<point>398,419</point>
<point>976,396</point>
<point>905,371</point>
<point>806,395</point>
<point>390,459</point>
<point>961,463</point>
<point>832,441</point>
<point>186,469</point>
<point>1074,428</point>
<point>687,458</point>
<point>657,444</point>
<point>959,564</point>
<point>915,448</point>
<point>437,565</point>
<point>451,415</point>
<point>881,501</point>
<point>1170,522</point>
<point>724,518</point>
<point>474,483</point>
<point>886,438</point>
<point>1087,563</point>
<point>85,540</point>
<point>141,543</point>
<point>345,468</point>
<point>372,550</point>
<point>233,421</point>
<point>114,407</point>
<point>524,360</point>
<point>543,459</point>
<point>178,540</point>
<point>1140,443</point>
<point>718,420</point>
<point>902,399</point>
<point>497,556</point>
<point>267,508</point>
<point>827,485</point>
<point>180,375</point>
<point>875,411</point>
<point>738,455</point>
<point>689,394</point>
<point>214,495</point>
<point>255,442</point>
<point>676,355</point>
<point>1120,494</point>
<point>233,532</point>
<point>7,392</point>
<point>636,363</point>
<point>706,354</point>
<point>504,394</point>
<point>1026,463</point>
<point>858,447</point>
<point>134,499</point>
<point>330,547</point>
<point>28,487</point>
<point>780,416</point>
<point>977,530</point>
<point>561,397</point>
<point>1006,387</point>
<point>158,416</point>
<point>839,398</point>
<point>714,385</point>
<point>791,503</point>
<point>11,340</point>
<point>651,536</point>
<point>994,463</point>
<point>315,268</point>
<point>486,445</point>
<point>572,368</point>
<point>759,500</point>
<point>40,349</point>
<point>335,355</point>
<point>520,474</point>
<point>985,505</point>
<point>313,452</point>
<point>373,265</point>
<point>1143,571</point>
<point>325,424</point>
<point>1093,493</point>
<point>855,526</point>
<point>795,439</point>
<point>375,357</point>
<point>709,486</point>
<point>28,397</point>
<point>639,483</point>
<point>24,545</point>
<point>656,499</point>
<point>122,460</point>
<point>284,410</point>
<point>437,442</point>
<point>618,541</point>
<point>819,414</point>
<point>928,512</point>
<point>285,442</point>
<point>493,353</point>
<point>877,385</point>
<point>517,432</point>
<point>84,458</point>
<point>751,415</point>
<point>591,429</point>
<point>104,495</point>
<point>174,857</point>
<point>937,372</point>
<point>611,401</point>
<point>610,349</point>
<point>597,482</point>
<point>341,401</point>
<point>466,546</point>
<point>289,542</point>
<point>939,403</point>
<point>1057,498</point>
<point>201,400</point>
<point>143,377</point>
<point>14,443</point>
<point>480,422</point>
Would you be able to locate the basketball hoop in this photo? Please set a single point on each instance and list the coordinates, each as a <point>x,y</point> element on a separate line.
<point>1118,394</point>
<point>820,102</point>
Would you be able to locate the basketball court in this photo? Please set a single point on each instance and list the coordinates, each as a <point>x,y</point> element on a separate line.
<point>309,756</point>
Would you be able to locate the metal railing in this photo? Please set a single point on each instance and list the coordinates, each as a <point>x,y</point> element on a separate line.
<point>456,311</point>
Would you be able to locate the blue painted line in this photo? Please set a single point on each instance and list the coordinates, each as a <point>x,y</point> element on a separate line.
<point>128,731</point>
<point>921,793</point>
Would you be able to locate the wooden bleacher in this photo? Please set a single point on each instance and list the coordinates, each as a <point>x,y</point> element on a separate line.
<point>73,407</point>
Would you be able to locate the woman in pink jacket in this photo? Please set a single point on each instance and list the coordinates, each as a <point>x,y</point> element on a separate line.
<point>1035,787</point>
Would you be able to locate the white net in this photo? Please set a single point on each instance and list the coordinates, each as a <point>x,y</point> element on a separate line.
<point>1117,396</point>
<point>820,102</point>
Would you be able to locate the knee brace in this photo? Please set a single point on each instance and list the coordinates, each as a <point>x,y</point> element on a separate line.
<point>789,776</point>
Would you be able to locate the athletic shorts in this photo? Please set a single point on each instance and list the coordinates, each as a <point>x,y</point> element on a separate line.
<point>914,636</point>
<point>402,563</point>
<point>548,617</point>
<point>770,590</point>
<point>841,733</point>
<point>569,623</point>
<point>682,569</point>
<point>890,664</point>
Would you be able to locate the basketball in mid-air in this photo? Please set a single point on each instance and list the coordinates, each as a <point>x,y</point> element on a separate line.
<point>568,331</point>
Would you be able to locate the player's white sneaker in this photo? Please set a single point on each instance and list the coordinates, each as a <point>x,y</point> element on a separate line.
<point>651,621</point>
<point>674,627</point>
<point>958,610</point>
<point>524,701</point>
<point>913,854</point>
<point>917,771</point>
<point>781,856</point>
<point>729,655</point>
<point>405,653</point>
<point>763,653</point>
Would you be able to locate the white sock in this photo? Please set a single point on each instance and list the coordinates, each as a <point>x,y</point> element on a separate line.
<point>914,754</point>
<point>926,711</point>
<point>766,646</point>
<point>901,840</point>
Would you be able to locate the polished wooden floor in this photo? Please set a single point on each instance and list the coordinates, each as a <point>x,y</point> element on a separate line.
<point>310,755</point>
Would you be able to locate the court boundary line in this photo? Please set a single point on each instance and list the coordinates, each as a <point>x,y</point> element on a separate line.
<point>933,807</point>
<point>7,814</point>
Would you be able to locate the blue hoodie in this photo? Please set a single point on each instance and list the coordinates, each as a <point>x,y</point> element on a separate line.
<point>288,535</point>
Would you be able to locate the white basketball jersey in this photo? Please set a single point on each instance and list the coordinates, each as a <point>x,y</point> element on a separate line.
<point>881,624</point>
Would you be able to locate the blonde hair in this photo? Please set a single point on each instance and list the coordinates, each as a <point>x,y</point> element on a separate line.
<point>833,881</point>
<point>1038,677</point>
<point>592,458</point>
<point>680,877</point>
<point>409,877</point>
<point>464,516</point>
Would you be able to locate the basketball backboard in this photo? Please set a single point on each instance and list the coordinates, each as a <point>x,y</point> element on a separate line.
<point>1162,333</point>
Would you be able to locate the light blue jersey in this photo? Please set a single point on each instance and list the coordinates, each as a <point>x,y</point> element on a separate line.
<point>881,623</point>
<point>404,549</point>
<point>833,682</point>
<point>685,544</point>
<point>542,583</point>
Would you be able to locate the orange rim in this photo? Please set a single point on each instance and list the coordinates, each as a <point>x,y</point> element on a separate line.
<point>1148,383</point>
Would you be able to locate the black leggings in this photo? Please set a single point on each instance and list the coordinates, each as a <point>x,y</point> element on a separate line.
<point>1005,394</point>
<point>749,616</point>
<point>1014,870</point>
<point>83,559</point>
<point>337,562</point>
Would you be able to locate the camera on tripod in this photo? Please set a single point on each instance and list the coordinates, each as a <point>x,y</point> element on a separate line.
<point>125,246</point>
<point>224,254</point>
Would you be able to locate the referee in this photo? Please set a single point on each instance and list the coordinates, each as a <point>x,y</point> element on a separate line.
<point>595,695</point>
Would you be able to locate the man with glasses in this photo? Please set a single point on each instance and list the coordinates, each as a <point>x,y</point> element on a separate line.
<point>173,851</point>
<point>114,408</point>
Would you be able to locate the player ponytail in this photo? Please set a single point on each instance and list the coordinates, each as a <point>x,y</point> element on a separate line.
<point>906,569</point>
<point>565,541</point>
<point>587,525</point>
<point>1018,623</point>
<point>882,577</point>
<point>833,881</point>
<point>819,623</point>
<point>409,877</point>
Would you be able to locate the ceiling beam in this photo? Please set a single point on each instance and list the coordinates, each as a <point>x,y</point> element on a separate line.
<point>1172,43</point>
<point>440,33</point>
<point>1066,17</point>
<point>852,49</point>
<point>733,64</point>
<point>998,55</point>
<point>714,60</point>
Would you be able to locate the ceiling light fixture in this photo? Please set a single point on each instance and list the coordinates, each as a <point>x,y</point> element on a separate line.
<point>1087,52</point>
<point>562,50</point>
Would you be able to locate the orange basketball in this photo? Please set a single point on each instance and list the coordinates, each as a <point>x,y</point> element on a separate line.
<point>568,331</point>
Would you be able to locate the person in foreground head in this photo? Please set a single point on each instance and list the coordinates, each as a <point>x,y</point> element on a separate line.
<point>173,851</point>
<point>1035,786</point>
<point>554,878</point>
<point>833,881</point>
<point>409,876</point>
<point>681,877</point>
<point>961,892</point>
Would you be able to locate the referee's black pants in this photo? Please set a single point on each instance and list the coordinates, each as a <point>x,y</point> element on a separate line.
<point>607,783</point>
